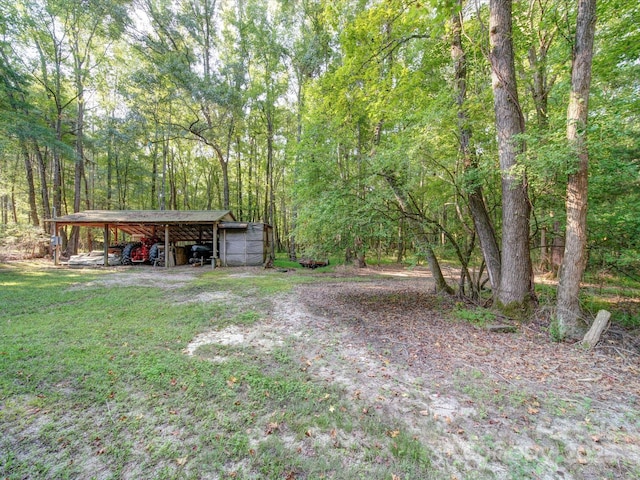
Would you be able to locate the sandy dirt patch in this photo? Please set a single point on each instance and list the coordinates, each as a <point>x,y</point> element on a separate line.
<point>480,400</point>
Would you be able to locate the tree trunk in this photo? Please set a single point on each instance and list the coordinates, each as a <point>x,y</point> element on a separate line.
<point>293,256</point>
<point>79,169</point>
<point>544,250</point>
<point>224,167</point>
<point>154,178</point>
<point>400,242</point>
<point>477,207</point>
<point>57,167</point>
<point>13,204</point>
<point>44,189</point>
<point>541,85</point>
<point>358,248</point>
<point>33,207</point>
<point>541,81</point>
<point>421,234</point>
<point>515,289</point>
<point>575,256</point>
<point>270,183</point>
<point>436,271</point>
<point>557,248</point>
<point>163,184</point>
<point>110,155</point>
<point>173,188</point>
<point>4,209</point>
<point>79,62</point>
<point>239,209</point>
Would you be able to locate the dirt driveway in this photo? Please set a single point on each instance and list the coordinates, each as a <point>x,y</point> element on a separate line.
<point>514,405</point>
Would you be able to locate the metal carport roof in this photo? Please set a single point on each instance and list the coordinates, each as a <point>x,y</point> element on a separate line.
<point>183,225</point>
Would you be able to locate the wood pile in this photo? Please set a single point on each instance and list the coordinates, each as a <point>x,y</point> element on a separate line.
<point>94,258</point>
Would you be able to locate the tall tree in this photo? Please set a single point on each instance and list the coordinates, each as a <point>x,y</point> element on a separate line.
<point>308,54</point>
<point>475,197</point>
<point>27,123</point>
<point>568,312</point>
<point>185,44</point>
<point>13,85</point>
<point>47,34</point>
<point>266,28</point>
<point>538,30</point>
<point>90,29</point>
<point>515,289</point>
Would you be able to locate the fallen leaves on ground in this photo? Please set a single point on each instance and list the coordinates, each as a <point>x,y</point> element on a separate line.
<point>407,318</point>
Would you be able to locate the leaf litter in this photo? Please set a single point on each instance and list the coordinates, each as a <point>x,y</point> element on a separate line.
<point>481,401</point>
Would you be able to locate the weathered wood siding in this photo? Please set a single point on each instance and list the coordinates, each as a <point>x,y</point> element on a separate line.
<point>244,246</point>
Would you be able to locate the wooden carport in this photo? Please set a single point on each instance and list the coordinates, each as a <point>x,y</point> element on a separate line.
<point>173,225</point>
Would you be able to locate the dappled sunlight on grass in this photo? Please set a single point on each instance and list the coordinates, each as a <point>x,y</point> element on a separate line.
<point>202,373</point>
<point>107,364</point>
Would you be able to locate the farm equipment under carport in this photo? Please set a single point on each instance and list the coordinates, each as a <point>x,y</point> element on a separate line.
<point>144,251</point>
<point>200,253</point>
<point>151,250</point>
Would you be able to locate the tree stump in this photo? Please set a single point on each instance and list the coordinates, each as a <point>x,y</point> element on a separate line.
<point>592,337</point>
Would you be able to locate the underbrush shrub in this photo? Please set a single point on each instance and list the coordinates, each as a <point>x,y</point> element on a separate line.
<point>19,242</point>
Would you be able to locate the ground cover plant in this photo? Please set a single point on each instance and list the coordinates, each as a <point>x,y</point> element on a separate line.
<point>290,373</point>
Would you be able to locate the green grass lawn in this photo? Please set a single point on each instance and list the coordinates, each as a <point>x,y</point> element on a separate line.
<point>95,384</point>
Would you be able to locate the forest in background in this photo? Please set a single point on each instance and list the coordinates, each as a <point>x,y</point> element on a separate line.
<point>364,129</point>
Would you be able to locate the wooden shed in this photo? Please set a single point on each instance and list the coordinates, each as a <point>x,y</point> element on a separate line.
<point>234,243</point>
<point>243,243</point>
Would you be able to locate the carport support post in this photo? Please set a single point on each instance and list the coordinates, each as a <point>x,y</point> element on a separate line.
<point>55,241</point>
<point>166,246</point>
<point>215,245</point>
<point>106,244</point>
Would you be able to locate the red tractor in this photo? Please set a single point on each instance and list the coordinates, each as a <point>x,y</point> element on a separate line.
<point>144,251</point>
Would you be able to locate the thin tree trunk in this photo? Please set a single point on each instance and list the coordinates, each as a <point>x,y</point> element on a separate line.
<point>57,167</point>
<point>110,155</point>
<point>293,255</point>
<point>422,237</point>
<point>225,183</point>
<point>13,204</point>
<point>400,242</point>
<point>87,202</point>
<point>515,291</point>
<point>477,207</point>
<point>154,178</point>
<point>544,250</point>
<point>250,179</point>
<point>33,206</point>
<point>540,84</point>
<point>122,176</point>
<point>209,180</point>
<point>163,187</point>
<point>72,248</point>
<point>173,189</point>
<point>239,209</point>
<point>270,184</point>
<point>575,252</point>
<point>44,189</point>
<point>4,208</point>
<point>227,158</point>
